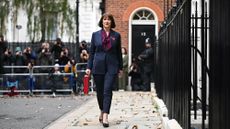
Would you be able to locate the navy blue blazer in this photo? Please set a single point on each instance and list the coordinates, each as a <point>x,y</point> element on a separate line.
<point>101,61</point>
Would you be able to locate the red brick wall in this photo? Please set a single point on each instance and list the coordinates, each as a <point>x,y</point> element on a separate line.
<point>122,9</point>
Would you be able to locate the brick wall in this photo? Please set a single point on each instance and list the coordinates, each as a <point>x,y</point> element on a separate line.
<point>122,10</point>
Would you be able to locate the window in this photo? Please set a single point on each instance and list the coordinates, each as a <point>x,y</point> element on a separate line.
<point>143,15</point>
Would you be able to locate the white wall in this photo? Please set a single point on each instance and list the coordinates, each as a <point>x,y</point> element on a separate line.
<point>89,15</point>
<point>17,35</point>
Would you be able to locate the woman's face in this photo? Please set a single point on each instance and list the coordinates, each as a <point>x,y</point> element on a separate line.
<point>106,22</point>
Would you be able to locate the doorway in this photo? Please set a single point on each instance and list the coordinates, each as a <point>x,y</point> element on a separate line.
<point>139,35</point>
<point>143,24</point>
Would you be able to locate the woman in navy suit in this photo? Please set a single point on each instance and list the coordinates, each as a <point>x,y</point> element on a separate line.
<point>105,63</point>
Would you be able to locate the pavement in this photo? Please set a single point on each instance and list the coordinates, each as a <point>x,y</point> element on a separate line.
<point>129,110</point>
<point>36,112</point>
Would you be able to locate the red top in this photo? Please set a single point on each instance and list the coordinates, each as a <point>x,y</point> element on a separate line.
<point>106,43</point>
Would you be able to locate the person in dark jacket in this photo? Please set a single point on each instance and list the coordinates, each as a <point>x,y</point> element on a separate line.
<point>55,78</point>
<point>3,46</point>
<point>29,56</point>
<point>19,60</point>
<point>105,63</point>
<point>8,60</point>
<point>57,49</point>
<point>64,58</point>
<point>146,57</point>
<point>44,59</point>
<point>135,74</point>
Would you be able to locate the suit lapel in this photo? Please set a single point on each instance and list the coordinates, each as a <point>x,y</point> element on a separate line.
<point>112,37</point>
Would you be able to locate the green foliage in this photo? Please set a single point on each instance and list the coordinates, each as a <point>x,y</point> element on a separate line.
<point>43,16</point>
<point>4,12</point>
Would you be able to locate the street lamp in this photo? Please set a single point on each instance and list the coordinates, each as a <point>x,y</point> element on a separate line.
<point>77,21</point>
<point>77,32</point>
<point>18,27</point>
<point>102,6</point>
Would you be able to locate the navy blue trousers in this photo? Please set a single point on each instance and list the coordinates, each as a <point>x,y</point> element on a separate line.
<point>104,86</point>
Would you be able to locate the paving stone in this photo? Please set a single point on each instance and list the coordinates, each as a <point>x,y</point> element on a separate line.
<point>129,109</point>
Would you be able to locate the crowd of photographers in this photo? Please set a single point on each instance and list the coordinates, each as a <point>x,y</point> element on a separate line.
<point>56,55</point>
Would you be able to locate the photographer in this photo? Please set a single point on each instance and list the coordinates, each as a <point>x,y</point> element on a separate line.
<point>135,74</point>
<point>64,57</point>
<point>3,46</point>
<point>29,55</point>
<point>83,46</point>
<point>8,60</point>
<point>44,59</point>
<point>57,48</point>
<point>19,60</point>
<point>84,56</point>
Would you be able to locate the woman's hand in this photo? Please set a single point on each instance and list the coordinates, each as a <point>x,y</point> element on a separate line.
<point>88,71</point>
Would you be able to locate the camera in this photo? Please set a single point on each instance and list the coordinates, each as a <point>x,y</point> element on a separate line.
<point>27,50</point>
<point>46,50</point>
<point>9,52</point>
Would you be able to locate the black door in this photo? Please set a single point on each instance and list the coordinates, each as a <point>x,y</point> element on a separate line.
<point>139,34</point>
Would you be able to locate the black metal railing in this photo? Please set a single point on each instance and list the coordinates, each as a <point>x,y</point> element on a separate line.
<point>200,70</point>
<point>206,69</point>
<point>173,64</point>
<point>34,79</point>
<point>219,64</point>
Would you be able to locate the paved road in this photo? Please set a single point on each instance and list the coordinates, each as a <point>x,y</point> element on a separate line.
<point>36,112</point>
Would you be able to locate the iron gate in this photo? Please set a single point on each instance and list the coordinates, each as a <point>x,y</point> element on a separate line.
<point>200,70</point>
<point>177,69</point>
<point>173,64</point>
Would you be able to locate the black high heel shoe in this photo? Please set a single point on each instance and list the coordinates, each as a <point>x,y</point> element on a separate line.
<point>105,125</point>
<point>100,120</point>
<point>105,122</point>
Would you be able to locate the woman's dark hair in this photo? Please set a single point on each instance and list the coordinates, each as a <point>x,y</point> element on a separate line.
<point>110,16</point>
<point>58,40</point>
